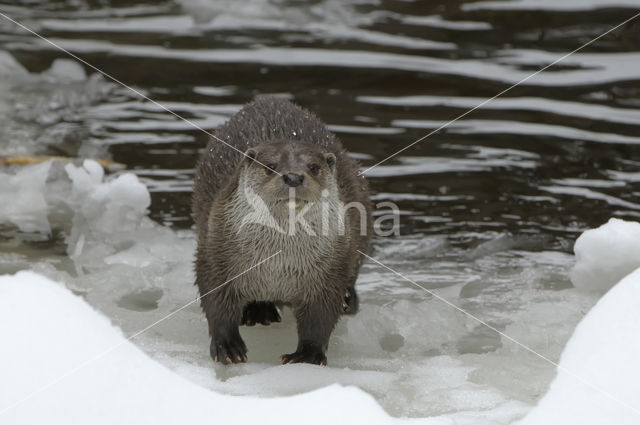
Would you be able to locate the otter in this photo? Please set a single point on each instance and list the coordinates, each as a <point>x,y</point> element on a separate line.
<point>279,195</point>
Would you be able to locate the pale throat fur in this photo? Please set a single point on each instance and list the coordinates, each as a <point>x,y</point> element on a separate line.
<point>310,237</point>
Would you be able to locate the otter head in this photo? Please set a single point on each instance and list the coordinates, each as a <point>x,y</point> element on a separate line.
<point>286,172</point>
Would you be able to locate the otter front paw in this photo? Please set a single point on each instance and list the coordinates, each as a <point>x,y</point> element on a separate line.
<point>262,312</point>
<point>350,303</point>
<point>309,353</point>
<point>229,350</point>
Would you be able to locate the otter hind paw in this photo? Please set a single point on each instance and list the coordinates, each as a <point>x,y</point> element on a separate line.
<point>350,303</point>
<point>307,354</point>
<point>263,312</point>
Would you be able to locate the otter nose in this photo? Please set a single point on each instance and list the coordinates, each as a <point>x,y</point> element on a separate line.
<point>293,180</point>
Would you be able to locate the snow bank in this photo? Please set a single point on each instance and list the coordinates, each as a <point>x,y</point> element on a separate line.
<point>52,336</point>
<point>606,254</point>
<point>97,376</point>
<point>604,351</point>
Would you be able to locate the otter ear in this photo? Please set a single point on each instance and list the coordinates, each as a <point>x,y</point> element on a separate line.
<point>330,158</point>
<point>250,155</point>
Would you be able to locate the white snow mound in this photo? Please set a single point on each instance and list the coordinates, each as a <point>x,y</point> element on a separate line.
<point>603,351</point>
<point>76,368</point>
<point>606,254</point>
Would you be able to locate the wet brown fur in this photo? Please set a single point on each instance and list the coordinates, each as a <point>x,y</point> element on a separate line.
<point>312,280</point>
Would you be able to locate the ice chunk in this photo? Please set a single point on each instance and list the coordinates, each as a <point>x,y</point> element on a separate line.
<point>597,379</point>
<point>66,70</point>
<point>50,335</point>
<point>103,208</point>
<point>48,113</point>
<point>136,256</point>
<point>23,203</point>
<point>606,254</point>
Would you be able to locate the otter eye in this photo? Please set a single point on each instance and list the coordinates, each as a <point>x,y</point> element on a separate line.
<point>271,167</point>
<point>314,168</point>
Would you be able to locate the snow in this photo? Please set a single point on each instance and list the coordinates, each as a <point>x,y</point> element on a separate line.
<point>605,255</point>
<point>597,377</point>
<point>67,364</point>
<point>596,374</point>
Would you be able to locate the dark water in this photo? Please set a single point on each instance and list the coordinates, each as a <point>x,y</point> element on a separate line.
<point>556,155</point>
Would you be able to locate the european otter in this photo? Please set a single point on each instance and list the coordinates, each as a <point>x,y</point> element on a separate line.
<point>285,195</point>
